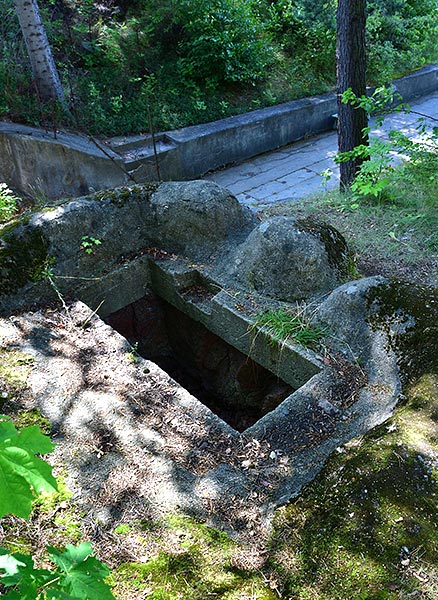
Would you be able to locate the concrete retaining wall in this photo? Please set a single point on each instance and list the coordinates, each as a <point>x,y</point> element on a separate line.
<point>33,162</point>
<point>70,165</point>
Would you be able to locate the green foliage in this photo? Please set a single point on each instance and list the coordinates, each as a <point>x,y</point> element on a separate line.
<point>8,203</point>
<point>377,176</point>
<point>281,325</point>
<point>372,180</point>
<point>401,33</point>
<point>89,244</point>
<point>220,41</point>
<point>77,576</point>
<point>22,473</point>
<point>180,62</point>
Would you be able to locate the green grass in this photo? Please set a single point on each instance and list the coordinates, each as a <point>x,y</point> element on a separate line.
<point>282,326</point>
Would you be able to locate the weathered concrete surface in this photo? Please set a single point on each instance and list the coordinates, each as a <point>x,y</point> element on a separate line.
<point>346,401</point>
<point>34,162</point>
<point>173,216</point>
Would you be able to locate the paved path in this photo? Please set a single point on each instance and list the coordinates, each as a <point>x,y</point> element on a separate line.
<point>294,171</point>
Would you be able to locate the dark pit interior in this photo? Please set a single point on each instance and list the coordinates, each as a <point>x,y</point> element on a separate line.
<point>231,384</point>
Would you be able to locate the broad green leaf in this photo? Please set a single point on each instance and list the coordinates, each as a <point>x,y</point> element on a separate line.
<point>58,594</point>
<point>9,563</point>
<point>22,474</point>
<point>83,574</point>
<point>21,574</point>
<point>52,594</point>
<point>7,428</point>
<point>31,438</point>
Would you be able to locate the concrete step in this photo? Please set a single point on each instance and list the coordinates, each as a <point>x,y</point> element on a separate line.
<point>123,144</point>
<point>137,150</point>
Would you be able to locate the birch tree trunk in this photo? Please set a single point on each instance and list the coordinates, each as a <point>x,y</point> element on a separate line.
<point>351,73</point>
<point>43,66</point>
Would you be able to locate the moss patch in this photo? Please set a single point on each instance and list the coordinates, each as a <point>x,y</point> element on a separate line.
<point>27,418</point>
<point>367,528</point>
<point>23,257</point>
<point>15,367</point>
<point>334,242</point>
<point>200,563</point>
<point>123,195</point>
<point>410,315</point>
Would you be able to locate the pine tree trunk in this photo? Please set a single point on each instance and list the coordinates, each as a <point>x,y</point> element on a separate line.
<point>43,66</point>
<point>351,73</point>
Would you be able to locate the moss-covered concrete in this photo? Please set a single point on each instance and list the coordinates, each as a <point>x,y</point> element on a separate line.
<point>23,257</point>
<point>409,315</point>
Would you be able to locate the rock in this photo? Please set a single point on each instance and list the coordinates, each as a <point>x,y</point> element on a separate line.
<point>196,217</point>
<point>345,311</point>
<point>291,259</point>
<point>376,316</point>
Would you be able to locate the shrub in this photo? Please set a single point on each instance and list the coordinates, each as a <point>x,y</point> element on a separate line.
<point>8,203</point>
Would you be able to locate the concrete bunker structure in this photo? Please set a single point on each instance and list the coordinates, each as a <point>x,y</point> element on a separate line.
<point>172,248</point>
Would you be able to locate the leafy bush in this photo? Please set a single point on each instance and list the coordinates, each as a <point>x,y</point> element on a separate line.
<point>221,41</point>
<point>77,575</point>
<point>8,202</point>
<point>402,34</point>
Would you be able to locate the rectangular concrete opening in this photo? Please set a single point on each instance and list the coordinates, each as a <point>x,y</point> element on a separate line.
<point>232,385</point>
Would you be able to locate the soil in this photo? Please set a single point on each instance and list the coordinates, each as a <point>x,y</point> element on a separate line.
<point>129,435</point>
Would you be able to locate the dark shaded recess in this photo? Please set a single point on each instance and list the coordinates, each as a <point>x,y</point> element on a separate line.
<point>23,257</point>
<point>232,385</point>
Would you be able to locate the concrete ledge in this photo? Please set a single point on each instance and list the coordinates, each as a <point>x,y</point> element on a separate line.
<point>202,148</point>
<point>70,165</point>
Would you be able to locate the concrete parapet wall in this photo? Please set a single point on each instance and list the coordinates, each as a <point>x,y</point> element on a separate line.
<point>34,162</point>
<point>71,164</point>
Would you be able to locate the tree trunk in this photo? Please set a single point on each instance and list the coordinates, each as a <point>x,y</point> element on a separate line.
<point>351,73</point>
<point>43,66</point>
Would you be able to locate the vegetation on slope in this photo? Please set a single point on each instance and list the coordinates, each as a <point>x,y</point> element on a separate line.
<point>130,66</point>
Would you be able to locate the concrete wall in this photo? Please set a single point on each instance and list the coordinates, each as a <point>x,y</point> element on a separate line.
<point>70,165</point>
<point>202,148</point>
<point>33,162</point>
